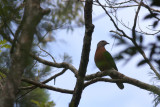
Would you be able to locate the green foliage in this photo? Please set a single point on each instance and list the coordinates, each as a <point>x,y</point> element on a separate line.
<point>130,50</point>
<point>39,95</point>
<point>42,104</point>
<point>155,3</point>
<point>36,72</point>
<point>154,47</point>
<point>67,11</point>
<point>3,44</point>
<point>66,58</point>
<point>156,101</point>
<point>9,12</point>
<point>2,75</point>
<point>63,15</point>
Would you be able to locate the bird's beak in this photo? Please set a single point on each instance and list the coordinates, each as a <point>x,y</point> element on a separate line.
<point>107,43</point>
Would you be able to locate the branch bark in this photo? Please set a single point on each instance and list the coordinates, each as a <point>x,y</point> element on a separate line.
<point>84,55</point>
<point>124,79</point>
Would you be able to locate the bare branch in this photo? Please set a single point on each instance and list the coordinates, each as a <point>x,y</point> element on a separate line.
<point>114,23</point>
<point>146,6</point>
<point>58,65</point>
<point>47,53</point>
<point>135,21</point>
<point>121,34</point>
<point>45,81</point>
<point>124,79</point>
<point>41,85</point>
<point>110,6</point>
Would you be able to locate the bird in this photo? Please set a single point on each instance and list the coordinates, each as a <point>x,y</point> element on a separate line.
<point>104,60</point>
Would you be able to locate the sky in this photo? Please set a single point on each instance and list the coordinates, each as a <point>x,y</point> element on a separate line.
<point>100,94</point>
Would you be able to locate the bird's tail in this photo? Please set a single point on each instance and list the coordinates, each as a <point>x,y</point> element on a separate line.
<point>120,85</point>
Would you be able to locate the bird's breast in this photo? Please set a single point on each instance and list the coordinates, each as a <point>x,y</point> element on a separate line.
<point>101,60</point>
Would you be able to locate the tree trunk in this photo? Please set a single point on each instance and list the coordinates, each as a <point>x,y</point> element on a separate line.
<point>19,57</point>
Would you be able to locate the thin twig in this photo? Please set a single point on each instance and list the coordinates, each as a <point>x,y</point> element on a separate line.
<point>45,81</point>
<point>58,65</point>
<point>41,85</point>
<point>47,53</point>
<point>135,21</point>
<point>34,87</point>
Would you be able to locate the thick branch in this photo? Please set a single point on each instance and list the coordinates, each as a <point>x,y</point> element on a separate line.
<point>85,54</point>
<point>124,79</point>
<point>97,74</point>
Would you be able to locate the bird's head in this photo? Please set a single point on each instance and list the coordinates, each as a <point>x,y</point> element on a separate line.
<point>102,43</point>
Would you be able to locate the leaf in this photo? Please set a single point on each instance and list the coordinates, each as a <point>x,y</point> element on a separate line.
<point>155,24</point>
<point>155,3</point>
<point>149,16</point>
<point>141,39</point>
<point>2,75</point>
<point>119,57</point>
<point>3,42</point>
<point>36,102</point>
<point>43,104</point>
<point>141,62</point>
<point>121,41</point>
<point>152,51</point>
<point>130,51</point>
<point>6,46</point>
<point>158,37</point>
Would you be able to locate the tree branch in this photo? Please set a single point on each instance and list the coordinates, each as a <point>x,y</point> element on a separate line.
<point>114,23</point>
<point>58,65</point>
<point>41,85</point>
<point>45,81</point>
<point>146,6</point>
<point>124,79</point>
<point>84,55</point>
<point>135,21</point>
<point>97,74</point>
<point>47,53</point>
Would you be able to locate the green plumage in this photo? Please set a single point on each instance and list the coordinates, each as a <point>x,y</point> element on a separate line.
<point>104,60</point>
<point>110,60</point>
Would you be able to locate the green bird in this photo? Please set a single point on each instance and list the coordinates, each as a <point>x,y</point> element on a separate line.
<point>104,60</point>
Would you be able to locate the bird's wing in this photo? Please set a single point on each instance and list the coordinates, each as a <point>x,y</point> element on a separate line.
<point>110,60</point>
